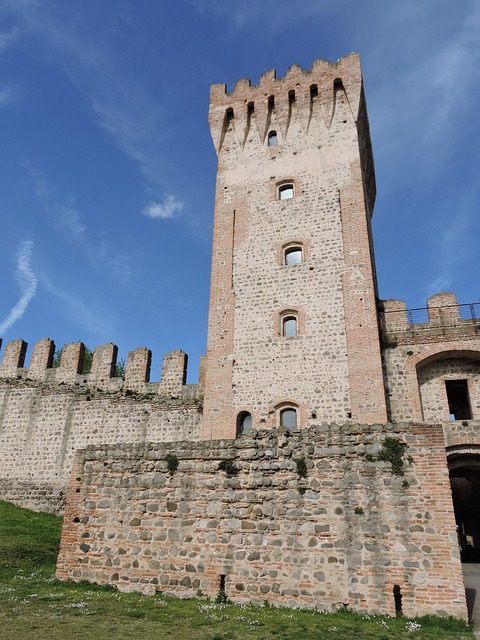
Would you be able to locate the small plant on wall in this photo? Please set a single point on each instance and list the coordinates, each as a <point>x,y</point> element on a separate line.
<point>301,467</point>
<point>229,468</point>
<point>172,463</point>
<point>301,472</point>
<point>393,451</point>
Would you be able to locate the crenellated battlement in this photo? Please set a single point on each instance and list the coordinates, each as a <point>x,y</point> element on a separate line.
<point>102,374</point>
<point>307,95</point>
<point>442,317</point>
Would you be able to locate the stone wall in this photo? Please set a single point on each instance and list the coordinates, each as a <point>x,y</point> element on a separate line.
<point>420,357</point>
<point>47,413</point>
<point>345,534</point>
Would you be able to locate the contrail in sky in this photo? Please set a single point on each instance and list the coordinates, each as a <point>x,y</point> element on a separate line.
<point>27,281</point>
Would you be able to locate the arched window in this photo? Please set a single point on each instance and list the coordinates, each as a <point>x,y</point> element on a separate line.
<point>288,418</point>
<point>289,326</point>
<point>272,139</point>
<point>244,422</point>
<point>286,191</point>
<point>293,254</point>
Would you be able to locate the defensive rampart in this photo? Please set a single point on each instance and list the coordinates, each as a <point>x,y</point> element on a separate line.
<point>314,518</point>
<point>46,413</point>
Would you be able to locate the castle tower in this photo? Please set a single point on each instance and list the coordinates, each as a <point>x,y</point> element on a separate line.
<point>293,336</point>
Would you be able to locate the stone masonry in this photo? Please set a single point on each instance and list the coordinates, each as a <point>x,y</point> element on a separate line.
<point>324,152</point>
<point>345,534</point>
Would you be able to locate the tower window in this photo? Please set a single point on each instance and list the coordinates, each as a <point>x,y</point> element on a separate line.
<point>288,418</point>
<point>289,326</point>
<point>272,139</point>
<point>285,191</point>
<point>458,401</point>
<point>291,96</point>
<point>244,422</point>
<point>293,255</point>
<point>313,91</point>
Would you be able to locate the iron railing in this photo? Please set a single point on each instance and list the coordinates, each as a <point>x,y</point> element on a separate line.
<point>449,316</point>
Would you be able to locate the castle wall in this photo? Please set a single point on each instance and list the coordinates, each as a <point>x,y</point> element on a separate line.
<point>421,357</point>
<point>345,534</point>
<point>46,414</point>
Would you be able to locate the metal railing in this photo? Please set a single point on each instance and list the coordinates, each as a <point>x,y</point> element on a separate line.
<point>449,316</point>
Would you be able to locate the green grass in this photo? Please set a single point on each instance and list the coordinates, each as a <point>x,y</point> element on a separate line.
<point>35,606</point>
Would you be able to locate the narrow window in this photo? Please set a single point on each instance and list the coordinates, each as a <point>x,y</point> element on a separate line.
<point>272,139</point>
<point>285,192</point>
<point>244,422</point>
<point>293,255</point>
<point>288,418</point>
<point>313,91</point>
<point>458,401</point>
<point>397,598</point>
<point>271,103</point>
<point>289,326</point>
<point>291,96</point>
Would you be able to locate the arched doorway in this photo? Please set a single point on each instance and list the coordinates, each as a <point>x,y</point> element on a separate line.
<point>465,482</point>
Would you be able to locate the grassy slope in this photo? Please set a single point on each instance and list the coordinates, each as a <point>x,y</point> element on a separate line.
<point>34,606</point>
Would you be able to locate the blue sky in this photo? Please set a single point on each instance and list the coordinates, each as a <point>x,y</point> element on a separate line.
<point>108,170</point>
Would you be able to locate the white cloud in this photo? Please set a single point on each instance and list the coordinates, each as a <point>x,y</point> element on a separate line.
<point>27,282</point>
<point>169,208</point>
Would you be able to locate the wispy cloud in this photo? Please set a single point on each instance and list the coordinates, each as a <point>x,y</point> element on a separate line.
<point>106,83</point>
<point>27,282</point>
<point>7,37</point>
<point>168,209</point>
<point>271,16</point>
<point>67,220</point>
<point>7,96</point>
<point>83,313</point>
<point>64,216</point>
<point>454,241</point>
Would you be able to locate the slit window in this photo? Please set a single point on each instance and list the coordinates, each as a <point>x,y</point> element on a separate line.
<point>288,418</point>
<point>458,400</point>
<point>272,139</point>
<point>293,255</point>
<point>289,326</point>
<point>313,91</point>
<point>244,423</point>
<point>285,191</point>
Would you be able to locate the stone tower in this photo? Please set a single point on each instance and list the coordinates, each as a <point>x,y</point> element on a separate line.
<point>293,336</point>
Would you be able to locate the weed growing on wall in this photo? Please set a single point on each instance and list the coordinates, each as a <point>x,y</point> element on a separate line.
<point>229,468</point>
<point>172,463</point>
<point>393,451</point>
<point>301,467</point>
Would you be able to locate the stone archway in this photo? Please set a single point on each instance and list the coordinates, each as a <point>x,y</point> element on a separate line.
<point>464,468</point>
